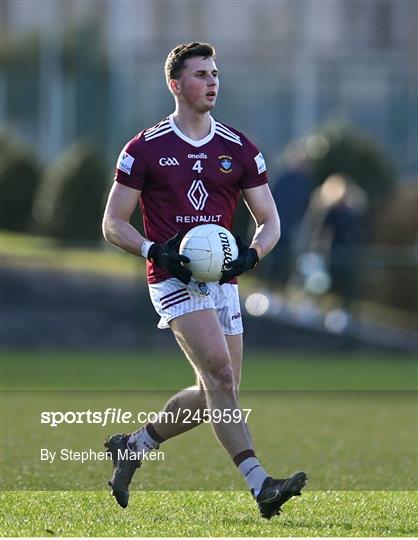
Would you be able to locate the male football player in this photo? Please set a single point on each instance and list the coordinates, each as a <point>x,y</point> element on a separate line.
<point>186,170</point>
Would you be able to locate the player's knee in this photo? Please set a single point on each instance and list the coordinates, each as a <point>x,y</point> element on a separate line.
<point>222,380</point>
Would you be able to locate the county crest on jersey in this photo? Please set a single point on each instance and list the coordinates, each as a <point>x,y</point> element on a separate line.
<point>183,182</point>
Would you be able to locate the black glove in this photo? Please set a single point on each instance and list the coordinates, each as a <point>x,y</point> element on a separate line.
<point>167,256</point>
<point>247,259</point>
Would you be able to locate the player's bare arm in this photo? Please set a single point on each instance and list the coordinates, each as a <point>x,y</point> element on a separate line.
<point>262,207</point>
<point>116,227</point>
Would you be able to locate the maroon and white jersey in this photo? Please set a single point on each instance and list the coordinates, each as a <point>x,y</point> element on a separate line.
<point>184,182</point>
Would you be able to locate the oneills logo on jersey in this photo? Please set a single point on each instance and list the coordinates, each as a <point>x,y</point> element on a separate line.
<point>226,164</point>
<point>125,162</point>
<point>197,194</point>
<point>202,155</point>
<point>261,164</point>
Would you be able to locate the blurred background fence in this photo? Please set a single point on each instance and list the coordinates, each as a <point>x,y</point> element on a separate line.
<point>327,89</point>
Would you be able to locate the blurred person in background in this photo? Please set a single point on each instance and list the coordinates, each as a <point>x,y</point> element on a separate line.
<point>188,167</point>
<point>291,194</point>
<point>334,228</point>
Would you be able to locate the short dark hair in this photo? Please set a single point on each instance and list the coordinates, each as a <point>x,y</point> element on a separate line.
<point>176,58</point>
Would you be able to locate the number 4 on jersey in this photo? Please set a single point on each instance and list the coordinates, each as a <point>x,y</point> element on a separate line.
<point>198,166</point>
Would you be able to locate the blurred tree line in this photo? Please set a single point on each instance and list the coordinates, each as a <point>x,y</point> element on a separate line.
<point>65,200</point>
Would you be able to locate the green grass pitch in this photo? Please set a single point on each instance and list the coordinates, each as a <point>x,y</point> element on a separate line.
<point>349,421</point>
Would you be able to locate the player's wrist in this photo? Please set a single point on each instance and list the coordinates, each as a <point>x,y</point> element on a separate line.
<point>145,248</point>
<point>259,251</point>
<point>254,256</point>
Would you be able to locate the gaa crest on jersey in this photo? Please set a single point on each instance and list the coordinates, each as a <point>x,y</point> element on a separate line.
<point>203,288</point>
<point>226,164</point>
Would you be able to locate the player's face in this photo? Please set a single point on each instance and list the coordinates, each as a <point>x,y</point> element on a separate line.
<point>198,84</point>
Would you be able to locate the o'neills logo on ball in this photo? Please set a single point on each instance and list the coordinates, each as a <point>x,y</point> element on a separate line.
<point>226,248</point>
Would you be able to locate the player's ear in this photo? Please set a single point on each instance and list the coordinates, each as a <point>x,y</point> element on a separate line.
<point>174,87</point>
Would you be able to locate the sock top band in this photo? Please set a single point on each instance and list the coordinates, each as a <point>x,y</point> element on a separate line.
<point>245,454</point>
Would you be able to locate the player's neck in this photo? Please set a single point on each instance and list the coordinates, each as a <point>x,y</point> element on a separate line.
<point>194,125</point>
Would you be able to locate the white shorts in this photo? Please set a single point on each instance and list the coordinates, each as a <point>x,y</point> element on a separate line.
<point>171,299</point>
